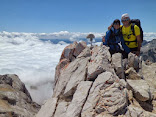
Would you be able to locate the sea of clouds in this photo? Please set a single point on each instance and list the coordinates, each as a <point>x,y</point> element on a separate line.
<point>34,56</point>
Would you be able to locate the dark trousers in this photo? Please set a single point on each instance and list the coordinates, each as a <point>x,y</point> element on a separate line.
<point>124,54</point>
<point>133,49</point>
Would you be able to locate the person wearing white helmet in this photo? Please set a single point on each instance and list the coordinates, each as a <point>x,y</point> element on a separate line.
<point>131,40</point>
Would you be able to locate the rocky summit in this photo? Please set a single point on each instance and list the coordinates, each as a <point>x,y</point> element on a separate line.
<point>15,100</point>
<point>89,82</point>
<point>148,51</point>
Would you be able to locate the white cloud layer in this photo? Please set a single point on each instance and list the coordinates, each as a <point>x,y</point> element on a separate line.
<point>55,35</point>
<point>149,36</point>
<point>62,35</point>
<point>34,60</point>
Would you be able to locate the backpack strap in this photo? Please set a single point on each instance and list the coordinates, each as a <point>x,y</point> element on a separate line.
<point>128,42</point>
<point>132,28</point>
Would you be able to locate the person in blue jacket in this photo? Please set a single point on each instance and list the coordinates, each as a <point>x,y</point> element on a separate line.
<point>115,41</point>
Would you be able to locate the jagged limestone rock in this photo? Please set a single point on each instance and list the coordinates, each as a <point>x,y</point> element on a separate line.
<point>75,107</point>
<point>116,61</point>
<point>148,51</point>
<point>85,53</point>
<point>78,75</point>
<point>15,99</point>
<point>138,112</point>
<point>104,114</point>
<point>149,73</point>
<point>133,61</point>
<point>98,63</point>
<point>102,82</point>
<point>48,109</point>
<point>73,50</point>
<point>132,74</point>
<point>113,100</point>
<point>140,88</point>
<point>68,55</point>
<point>61,109</point>
<point>65,77</point>
<point>108,95</point>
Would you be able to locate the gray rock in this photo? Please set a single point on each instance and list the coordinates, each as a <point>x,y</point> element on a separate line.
<point>99,63</point>
<point>65,77</point>
<point>48,109</point>
<point>85,53</point>
<point>133,61</point>
<point>113,100</point>
<point>138,112</point>
<point>104,114</point>
<point>78,75</point>
<point>116,62</point>
<point>94,93</point>
<point>73,50</point>
<point>61,109</point>
<point>60,67</point>
<point>149,73</point>
<point>132,74</point>
<point>79,48</point>
<point>140,88</point>
<point>15,100</point>
<point>107,96</point>
<point>68,55</point>
<point>75,107</point>
<point>148,51</point>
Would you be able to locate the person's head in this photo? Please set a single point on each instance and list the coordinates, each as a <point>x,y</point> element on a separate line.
<point>125,19</point>
<point>116,24</point>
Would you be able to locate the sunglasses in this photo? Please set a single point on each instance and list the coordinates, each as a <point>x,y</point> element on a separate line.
<point>123,20</point>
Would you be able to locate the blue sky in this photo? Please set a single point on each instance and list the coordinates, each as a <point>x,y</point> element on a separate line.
<point>47,16</point>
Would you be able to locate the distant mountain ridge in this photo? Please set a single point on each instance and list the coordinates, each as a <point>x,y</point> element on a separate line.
<point>56,41</point>
<point>148,50</point>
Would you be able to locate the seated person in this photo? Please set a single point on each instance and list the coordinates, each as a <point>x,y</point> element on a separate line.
<point>115,41</point>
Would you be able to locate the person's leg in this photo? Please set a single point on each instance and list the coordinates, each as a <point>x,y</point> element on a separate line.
<point>134,50</point>
<point>124,54</point>
<point>111,52</point>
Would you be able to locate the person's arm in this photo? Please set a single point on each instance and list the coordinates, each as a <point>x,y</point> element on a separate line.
<point>137,33</point>
<point>125,47</point>
<point>108,33</point>
<point>139,44</point>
